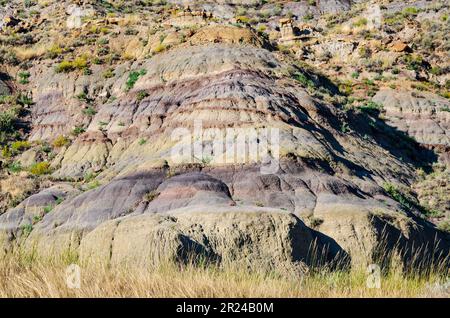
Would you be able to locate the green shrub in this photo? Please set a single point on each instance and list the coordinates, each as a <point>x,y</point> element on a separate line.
<point>7,121</point>
<point>80,63</point>
<point>61,141</point>
<point>24,77</point>
<point>133,78</point>
<point>15,167</point>
<point>19,146</point>
<point>141,95</point>
<point>6,152</point>
<point>410,12</point>
<point>82,97</point>
<point>355,75</point>
<point>308,17</point>
<point>64,67</point>
<point>159,48</point>
<point>24,100</point>
<point>304,79</point>
<point>78,131</point>
<point>89,111</point>
<point>41,168</point>
<point>360,22</point>
<point>54,51</point>
<point>49,208</point>
<point>371,107</point>
<point>346,88</point>
<point>108,74</point>
<point>26,229</point>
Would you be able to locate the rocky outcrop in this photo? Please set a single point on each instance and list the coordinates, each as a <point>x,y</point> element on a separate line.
<point>422,115</point>
<point>334,6</point>
<point>303,178</point>
<point>256,239</point>
<point>347,220</point>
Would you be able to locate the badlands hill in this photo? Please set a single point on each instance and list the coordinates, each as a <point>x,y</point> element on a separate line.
<point>353,96</point>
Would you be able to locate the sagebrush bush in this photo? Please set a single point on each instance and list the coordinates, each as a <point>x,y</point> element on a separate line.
<point>80,63</point>
<point>61,141</point>
<point>41,168</point>
<point>19,146</point>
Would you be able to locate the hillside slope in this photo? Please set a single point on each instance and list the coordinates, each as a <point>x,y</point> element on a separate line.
<point>113,116</point>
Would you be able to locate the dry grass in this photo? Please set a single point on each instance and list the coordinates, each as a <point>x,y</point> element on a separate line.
<point>28,53</point>
<point>24,277</point>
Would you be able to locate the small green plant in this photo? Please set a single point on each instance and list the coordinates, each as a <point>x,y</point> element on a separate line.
<point>408,202</point>
<point>6,152</point>
<point>37,219</point>
<point>355,75</point>
<point>410,11</point>
<point>133,77</point>
<point>159,48</point>
<point>61,141</point>
<point>371,107</point>
<point>304,79</point>
<point>54,51</point>
<point>142,142</point>
<point>141,95</point>
<point>41,168</point>
<point>82,97</point>
<point>80,63</point>
<point>26,229</point>
<point>24,100</point>
<point>7,121</point>
<point>24,78</point>
<point>49,208</point>
<point>64,67</point>
<point>346,88</point>
<point>89,111</point>
<point>109,73</point>
<point>308,17</point>
<point>89,177</point>
<point>78,130</point>
<point>360,22</point>
<point>19,146</point>
<point>15,167</point>
<point>94,185</point>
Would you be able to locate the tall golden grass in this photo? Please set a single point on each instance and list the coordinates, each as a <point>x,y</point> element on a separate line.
<point>22,275</point>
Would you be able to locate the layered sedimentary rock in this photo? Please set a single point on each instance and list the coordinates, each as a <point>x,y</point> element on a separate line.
<point>322,187</point>
<point>422,115</point>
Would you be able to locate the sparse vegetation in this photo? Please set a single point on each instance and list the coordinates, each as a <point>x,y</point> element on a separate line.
<point>350,98</point>
<point>80,63</point>
<point>61,141</point>
<point>133,77</point>
<point>41,168</point>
